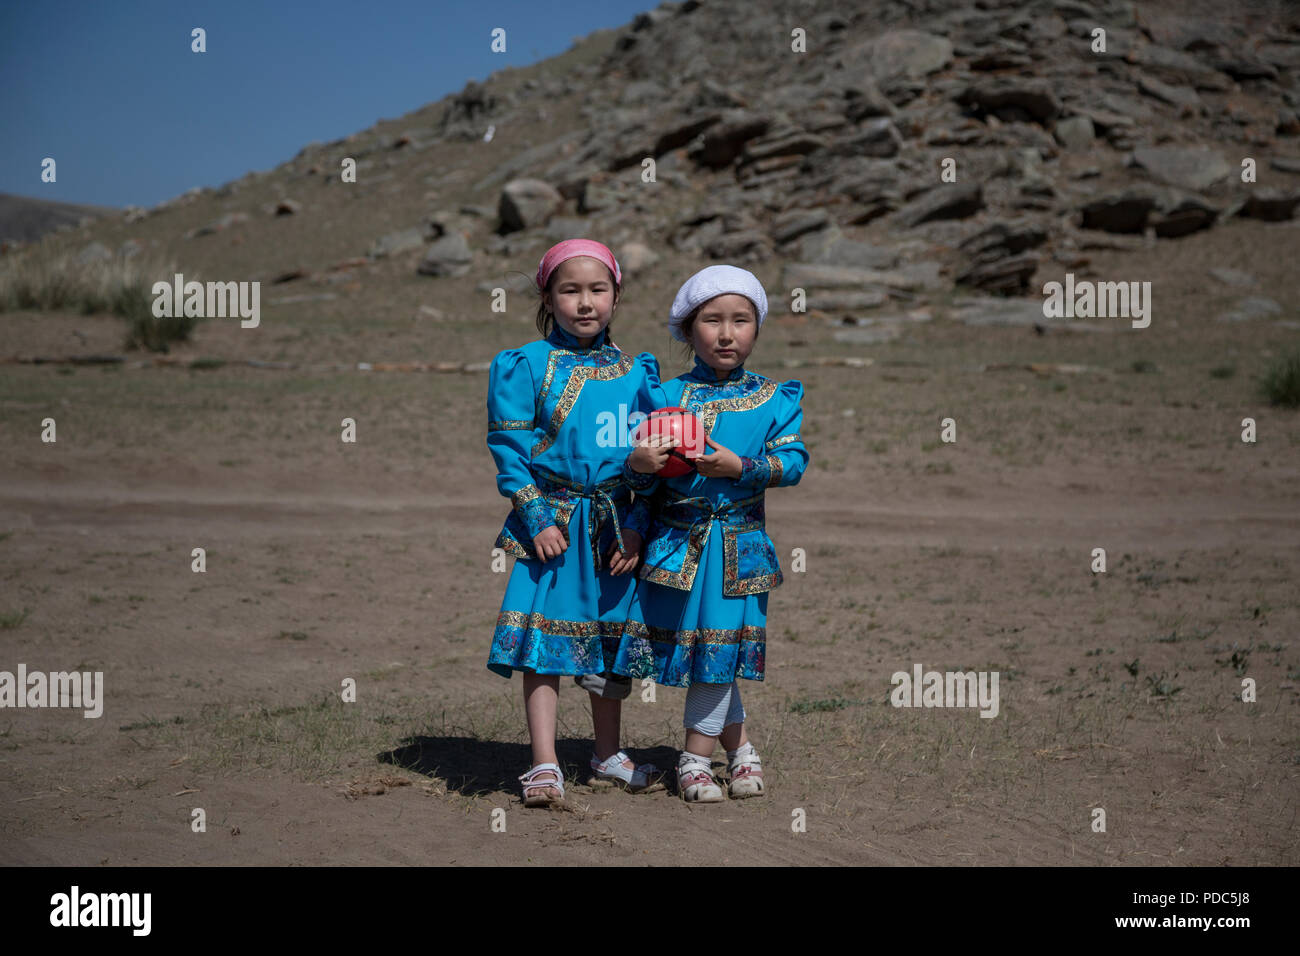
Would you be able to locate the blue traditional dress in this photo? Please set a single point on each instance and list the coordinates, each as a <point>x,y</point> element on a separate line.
<point>699,614</point>
<point>559,438</point>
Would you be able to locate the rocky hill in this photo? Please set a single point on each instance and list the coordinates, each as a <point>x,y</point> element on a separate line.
<point>874,154</point>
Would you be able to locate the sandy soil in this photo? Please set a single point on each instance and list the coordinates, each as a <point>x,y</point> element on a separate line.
<point>326,561</point>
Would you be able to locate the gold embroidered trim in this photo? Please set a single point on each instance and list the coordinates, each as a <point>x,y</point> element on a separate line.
<point>777,469</point>
<point>524,495</point>
<point>510,424</point>
<point>741,403</point>
<point>696,541</point>
<point>578,377</point>
<point>700,635</point>
<point>783,440</point>
<point>550,625</point>
<point>684,579</point>
<point>512,547</point>
<point>732,586</point>
<point>552,359</point>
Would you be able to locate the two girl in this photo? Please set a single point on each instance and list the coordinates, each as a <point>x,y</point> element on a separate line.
<point>697,616</point>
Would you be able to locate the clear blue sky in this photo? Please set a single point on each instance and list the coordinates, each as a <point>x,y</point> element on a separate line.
<point>111,90</point>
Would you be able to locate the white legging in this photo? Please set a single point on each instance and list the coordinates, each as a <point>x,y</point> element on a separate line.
<point>710,707</point>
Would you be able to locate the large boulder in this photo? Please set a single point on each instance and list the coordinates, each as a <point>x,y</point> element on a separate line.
<point>527,203</point>
<point>449,256</point>
<point>725,141</point>
<point>911,53</point>
<point>955,201</point>
<point>1187,167</point>
<point>1011,99</point>
<point>1125,211</point>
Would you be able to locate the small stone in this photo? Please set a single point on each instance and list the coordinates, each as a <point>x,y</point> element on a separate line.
<point>395,243</point>
<point>1270,205</point>
<point>1255,307</point>
<point>1074,132</point>
<point>1234,277</point>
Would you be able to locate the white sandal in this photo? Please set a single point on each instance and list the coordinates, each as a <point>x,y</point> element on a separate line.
<point>540,798</point>
<point>613,771</point>
<point>695,780</point>
<point>746,773</point>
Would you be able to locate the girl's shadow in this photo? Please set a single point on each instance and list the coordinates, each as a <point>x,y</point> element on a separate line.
<point>474,767</point>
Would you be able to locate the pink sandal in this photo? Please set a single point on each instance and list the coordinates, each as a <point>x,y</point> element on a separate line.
<point>695,780</point>
<point>746,774</point>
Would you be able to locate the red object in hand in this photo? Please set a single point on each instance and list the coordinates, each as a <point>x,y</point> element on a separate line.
<point>682,425</point>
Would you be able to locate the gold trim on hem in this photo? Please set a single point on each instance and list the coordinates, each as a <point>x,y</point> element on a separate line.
<point>551,625</point>
<point>749,634</point>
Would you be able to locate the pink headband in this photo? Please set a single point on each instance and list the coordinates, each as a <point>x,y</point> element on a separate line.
<point>569,249</point>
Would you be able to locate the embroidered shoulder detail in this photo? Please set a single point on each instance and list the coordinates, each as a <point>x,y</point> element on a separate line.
<point>783,440</point>
<point>578,376</point>
<point>510,424</point>
<point>735,396</point>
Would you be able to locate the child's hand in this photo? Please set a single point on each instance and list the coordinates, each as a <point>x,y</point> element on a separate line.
<point>651,454</point>
<point>723,463</point>
<point>620,562</point>
<point>549,543</point>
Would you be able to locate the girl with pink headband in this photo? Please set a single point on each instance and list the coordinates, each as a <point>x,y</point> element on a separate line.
<point>558,408</point>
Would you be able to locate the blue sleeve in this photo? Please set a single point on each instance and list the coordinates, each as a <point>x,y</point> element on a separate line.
<point>511,431</point>
<point>785,456</point>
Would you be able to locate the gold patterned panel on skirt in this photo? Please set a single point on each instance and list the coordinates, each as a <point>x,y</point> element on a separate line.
<point>700,635</point>
<point>550,625</point>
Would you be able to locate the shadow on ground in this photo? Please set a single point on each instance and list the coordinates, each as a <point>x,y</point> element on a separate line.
<point>475,767</point>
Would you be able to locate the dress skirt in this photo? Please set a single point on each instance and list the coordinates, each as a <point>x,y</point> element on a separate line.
<point>699,636</point>
<point>558,615</point>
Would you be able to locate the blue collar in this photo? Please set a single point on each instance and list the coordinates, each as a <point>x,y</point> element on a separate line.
<point>562,339</point>
<point>706,373</point>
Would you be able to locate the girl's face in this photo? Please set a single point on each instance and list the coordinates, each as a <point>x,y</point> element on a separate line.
<point>581,297</point>
<point>724,331</point>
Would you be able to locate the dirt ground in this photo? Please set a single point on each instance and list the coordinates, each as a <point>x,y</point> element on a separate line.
<point>371,561</point>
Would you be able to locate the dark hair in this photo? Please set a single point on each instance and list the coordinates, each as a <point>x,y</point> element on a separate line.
<point>689,322</point>
<point>546,318</point>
